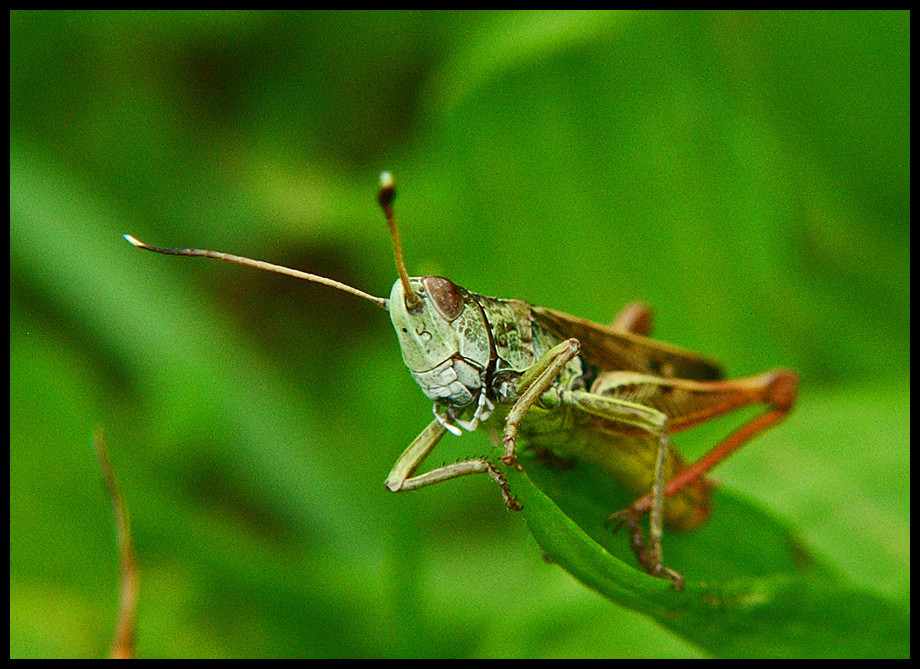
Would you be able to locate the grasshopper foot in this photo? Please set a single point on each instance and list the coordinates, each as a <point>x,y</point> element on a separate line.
<point>629,518</point>
<point>676,579</point>
<point>509,458</point>
<point>649,556</point>
<point>502,482</point>
<point>512,461</point>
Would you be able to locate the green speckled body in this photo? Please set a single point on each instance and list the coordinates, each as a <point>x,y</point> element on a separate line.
<point>625,453</point>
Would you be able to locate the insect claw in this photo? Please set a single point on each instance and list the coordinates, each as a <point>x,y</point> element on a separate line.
<point>512,461</point>
<point>647,557</point>
<point>676,579</point>
<point>510,500</point>
<point>628,517</point>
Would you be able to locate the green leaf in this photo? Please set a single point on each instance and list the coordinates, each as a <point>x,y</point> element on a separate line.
<point>752,587</point>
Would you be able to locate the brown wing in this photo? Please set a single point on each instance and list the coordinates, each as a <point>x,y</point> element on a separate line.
<point>611,349</point>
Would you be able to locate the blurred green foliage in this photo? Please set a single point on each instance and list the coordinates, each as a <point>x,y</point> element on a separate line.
<point>747,173</point>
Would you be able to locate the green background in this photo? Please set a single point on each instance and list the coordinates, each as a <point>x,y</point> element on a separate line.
<point>746,173</point>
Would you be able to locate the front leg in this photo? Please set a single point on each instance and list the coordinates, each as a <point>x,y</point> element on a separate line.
<point>401,478</point>
<point>533,383</point>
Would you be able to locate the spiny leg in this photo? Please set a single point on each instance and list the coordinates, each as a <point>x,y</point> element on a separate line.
<point>533,383</point>
<point>401,479</point>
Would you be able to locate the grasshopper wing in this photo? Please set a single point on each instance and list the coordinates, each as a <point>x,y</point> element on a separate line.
<point>610,349</point>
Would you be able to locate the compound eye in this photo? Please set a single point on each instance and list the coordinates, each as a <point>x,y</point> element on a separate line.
<point>445,295</point>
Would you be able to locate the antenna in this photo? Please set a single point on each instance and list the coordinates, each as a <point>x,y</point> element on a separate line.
<point>385,197</point>
<point>259,264</point>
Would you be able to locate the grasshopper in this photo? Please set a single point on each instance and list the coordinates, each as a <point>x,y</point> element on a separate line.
<point>562,385</point>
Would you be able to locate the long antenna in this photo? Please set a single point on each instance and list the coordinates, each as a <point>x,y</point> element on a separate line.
<point>259,264</point>
<point>385,197</point>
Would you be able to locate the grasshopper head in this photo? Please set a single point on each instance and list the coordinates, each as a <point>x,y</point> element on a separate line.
<point>424,329</point>
<point>443,338</point>
<point>441,329</point>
